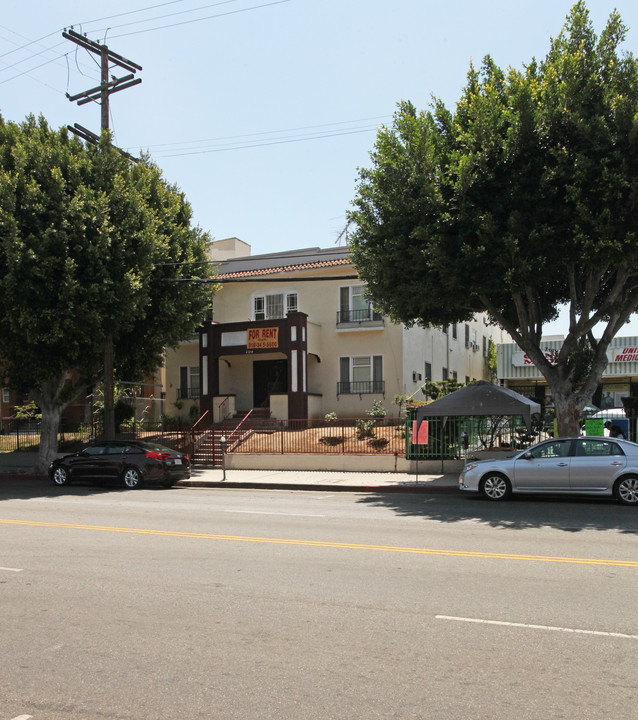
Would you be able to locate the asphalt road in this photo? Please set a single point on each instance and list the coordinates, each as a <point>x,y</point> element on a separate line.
<point>254,604</point>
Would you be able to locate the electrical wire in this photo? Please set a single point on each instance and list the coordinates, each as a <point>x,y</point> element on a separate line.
<point>130,12</point>
<point>208,17</point>
<point>280,141</point>
<point>176,145</point>
<point>161,17</point>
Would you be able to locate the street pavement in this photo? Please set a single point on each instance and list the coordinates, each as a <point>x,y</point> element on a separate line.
<point>320,480</point>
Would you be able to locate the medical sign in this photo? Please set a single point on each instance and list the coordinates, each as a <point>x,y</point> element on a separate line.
<point>521,359</point>
<point>622,354</point>
<point>262,338</point>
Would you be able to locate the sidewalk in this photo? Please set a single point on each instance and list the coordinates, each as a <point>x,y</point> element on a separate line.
<point>321,480</point>
<point>21,466</point>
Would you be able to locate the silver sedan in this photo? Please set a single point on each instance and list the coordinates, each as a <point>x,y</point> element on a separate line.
<point>565,466</point>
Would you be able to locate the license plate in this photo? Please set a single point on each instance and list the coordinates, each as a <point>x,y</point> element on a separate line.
<point>177,461</point>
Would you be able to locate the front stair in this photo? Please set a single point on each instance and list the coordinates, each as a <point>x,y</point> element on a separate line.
<point>207,449</point>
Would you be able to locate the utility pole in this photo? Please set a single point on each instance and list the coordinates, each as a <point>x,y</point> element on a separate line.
<point>102,93</point>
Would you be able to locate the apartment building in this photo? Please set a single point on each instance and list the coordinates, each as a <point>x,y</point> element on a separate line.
<point>293,332</point>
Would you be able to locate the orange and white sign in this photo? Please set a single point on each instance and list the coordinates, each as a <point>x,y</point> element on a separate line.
<point>262,338</point>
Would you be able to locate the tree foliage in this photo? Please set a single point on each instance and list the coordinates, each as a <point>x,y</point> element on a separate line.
<point>90,249</point>
<point>520,201</point>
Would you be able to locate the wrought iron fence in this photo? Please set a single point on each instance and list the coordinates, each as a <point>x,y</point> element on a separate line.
<point>24,435</point>
<point>343,436</point>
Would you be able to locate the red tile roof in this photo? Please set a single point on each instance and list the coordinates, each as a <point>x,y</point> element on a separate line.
<point>283,268</point>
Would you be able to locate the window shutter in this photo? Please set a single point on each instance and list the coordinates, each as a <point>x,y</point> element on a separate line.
<point>344,299</point>
<point>344,369</point>
<point>377,368</point>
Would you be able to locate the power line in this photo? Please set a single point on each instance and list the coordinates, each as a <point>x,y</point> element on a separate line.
<point>272,142</point>
<point>256,135</point>
<point>161,17</point>
<point>152,29</point>
<point>130,12</point>
<point>208,17</point>
<point>88,22</point>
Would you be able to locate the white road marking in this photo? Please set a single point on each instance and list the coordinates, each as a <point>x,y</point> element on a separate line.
<point>537,627</point>
<point>12,570</point>
<point>23,717</point>
<point>259,512</point>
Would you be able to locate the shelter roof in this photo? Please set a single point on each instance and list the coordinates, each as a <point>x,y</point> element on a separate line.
<point>479,399</point>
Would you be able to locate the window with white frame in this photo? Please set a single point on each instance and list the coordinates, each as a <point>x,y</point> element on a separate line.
<point>361,374</point>
<point>275,305</point>
<point>6,395</point>
<point>354,306</point>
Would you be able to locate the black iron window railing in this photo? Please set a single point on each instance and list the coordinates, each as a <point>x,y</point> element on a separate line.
<point>358,316</point>
<point>188,393</point>
<point>366,387</point>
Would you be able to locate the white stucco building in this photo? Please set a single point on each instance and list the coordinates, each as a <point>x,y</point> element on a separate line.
<point>293,332</point>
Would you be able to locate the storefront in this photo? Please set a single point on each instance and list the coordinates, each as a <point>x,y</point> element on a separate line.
<point>620,378</point>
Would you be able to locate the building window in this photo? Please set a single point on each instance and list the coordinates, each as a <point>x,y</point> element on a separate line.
<point>467,336</point>
<point>188,383</point>
<point>354,307</point>
<point>362,374</point>
<point>6,395</point>
<point>454,331</point>
<point>270,306</point>
<point>444,373</point>
<point>428,372</point>
<point>484,346</point>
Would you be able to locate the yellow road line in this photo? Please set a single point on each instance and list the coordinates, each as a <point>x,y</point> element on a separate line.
<point>325,544</point>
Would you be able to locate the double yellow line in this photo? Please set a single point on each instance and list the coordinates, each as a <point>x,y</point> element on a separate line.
<point>325,544</point>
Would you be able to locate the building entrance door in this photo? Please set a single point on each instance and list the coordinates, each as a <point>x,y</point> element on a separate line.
<point>269,376</point>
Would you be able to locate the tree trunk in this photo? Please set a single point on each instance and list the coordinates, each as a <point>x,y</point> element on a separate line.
<point>568,411</point>
<point>109,391</point>
<point>50,425</point>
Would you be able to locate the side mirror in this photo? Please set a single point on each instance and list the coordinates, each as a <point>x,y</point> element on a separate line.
<point>528,456</point>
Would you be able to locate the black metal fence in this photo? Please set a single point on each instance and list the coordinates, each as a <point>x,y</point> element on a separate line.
<point>343,436</point>
<point>388,436</point>
<point>24,435</point>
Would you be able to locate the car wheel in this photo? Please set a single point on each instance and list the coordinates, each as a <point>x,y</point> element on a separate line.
<point>496,487</point>
<point>132,478</point>
<point>626,490</point>
<point>61,476</point>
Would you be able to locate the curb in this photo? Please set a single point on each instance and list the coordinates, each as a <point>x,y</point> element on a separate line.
<point>425,487</point>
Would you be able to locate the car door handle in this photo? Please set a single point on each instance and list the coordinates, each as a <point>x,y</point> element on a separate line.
<point>563,464</point>
<point>617,463</point>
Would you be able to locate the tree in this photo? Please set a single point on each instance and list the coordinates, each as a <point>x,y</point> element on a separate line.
<point>92,249</point>
<point>521,201</point>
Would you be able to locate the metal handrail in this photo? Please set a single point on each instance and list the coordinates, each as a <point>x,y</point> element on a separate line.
<point>243,420</point>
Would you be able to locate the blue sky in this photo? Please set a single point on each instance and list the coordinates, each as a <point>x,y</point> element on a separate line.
<point>262,111</point>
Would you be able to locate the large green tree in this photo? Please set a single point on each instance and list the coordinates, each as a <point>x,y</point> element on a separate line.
<point>92,249</point>
<point>519,202</point>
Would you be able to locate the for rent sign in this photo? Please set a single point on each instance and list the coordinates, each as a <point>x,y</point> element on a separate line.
<point>263,338</point>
